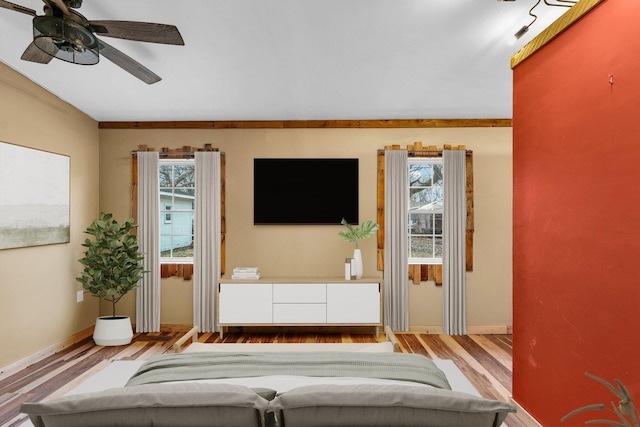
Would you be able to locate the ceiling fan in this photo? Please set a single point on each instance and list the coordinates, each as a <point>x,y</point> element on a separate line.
<point>65,34</point>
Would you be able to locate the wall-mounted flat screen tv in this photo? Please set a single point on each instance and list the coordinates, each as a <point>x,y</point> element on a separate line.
<point>305,191</point>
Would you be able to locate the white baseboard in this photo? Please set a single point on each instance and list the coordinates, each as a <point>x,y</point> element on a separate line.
<point>525,417</point>
<point>45,352</point>
<point>476,330</point>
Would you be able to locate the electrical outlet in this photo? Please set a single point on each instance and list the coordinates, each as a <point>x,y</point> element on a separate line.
<point>80,296</point>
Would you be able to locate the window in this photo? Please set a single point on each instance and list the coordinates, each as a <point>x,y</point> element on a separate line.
<point>182,156</point>
<point>426,202</point>
<point>420,269</point>
<point>177,199</point>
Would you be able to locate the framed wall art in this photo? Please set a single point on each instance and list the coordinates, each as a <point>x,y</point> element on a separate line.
<point>34,197</point>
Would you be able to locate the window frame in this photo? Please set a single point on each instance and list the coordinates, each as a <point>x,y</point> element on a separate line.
<point>167,214</point>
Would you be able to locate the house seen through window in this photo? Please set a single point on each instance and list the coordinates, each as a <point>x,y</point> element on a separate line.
<point>426,203</point>
<point>177,202</point>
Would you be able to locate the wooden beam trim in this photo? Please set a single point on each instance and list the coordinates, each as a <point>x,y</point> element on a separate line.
<point>311,124</point>
<point>559,25</point>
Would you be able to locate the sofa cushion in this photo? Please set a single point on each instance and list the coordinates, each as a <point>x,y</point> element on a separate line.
<point>385,405</point>
<point>170,405</point>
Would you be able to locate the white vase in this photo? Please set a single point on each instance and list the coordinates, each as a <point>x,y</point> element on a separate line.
<point>357,264</point>
<point>112,331</point>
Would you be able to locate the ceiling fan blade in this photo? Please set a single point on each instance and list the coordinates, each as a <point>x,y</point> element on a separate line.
<point>128,64</point>
<point>139,31</point>
<point>17,8</point>
<point>33,54</point>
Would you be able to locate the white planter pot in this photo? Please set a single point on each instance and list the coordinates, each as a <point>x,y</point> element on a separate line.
<point>357,264</point>
<point>111,331</point>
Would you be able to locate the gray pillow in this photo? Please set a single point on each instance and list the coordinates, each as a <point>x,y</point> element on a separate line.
<point>385,405</point>
<point>170,405</point>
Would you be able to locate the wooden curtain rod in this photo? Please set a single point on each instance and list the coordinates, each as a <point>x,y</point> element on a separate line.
<point>434,151</point>
<point>176,153</point>
<point>468,152</point>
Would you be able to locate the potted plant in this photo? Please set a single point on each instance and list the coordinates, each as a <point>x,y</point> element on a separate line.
<point>112,268</point>
<point>352,235</point>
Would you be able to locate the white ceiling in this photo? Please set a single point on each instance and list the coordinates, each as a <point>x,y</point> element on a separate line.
<point>295,59</point>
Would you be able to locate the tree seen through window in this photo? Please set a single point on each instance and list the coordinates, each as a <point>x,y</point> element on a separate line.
<point>426,202</point>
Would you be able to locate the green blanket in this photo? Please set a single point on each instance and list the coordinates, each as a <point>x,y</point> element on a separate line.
<point>215,365</point>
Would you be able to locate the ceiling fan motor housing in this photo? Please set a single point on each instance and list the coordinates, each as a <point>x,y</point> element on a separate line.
<point>65,39</point>
<point>73,3</point>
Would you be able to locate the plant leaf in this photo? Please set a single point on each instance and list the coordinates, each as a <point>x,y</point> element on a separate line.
<point>592,407</point>
<point>606,384</point>
<point>607,422</point>
<point>363,231</point>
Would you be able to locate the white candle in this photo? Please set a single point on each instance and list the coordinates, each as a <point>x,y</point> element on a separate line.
<point>347,269</point>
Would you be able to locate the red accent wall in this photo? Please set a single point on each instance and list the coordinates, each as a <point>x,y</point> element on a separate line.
<point>576,248</point>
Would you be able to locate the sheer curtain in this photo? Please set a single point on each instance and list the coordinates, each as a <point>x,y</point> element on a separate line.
<point>148,294</point>
<point>206,250</point>
<point>454,245</point>
<point>396,268</point>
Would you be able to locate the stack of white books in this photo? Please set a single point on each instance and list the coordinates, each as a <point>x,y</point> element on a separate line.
<point>245,273</point>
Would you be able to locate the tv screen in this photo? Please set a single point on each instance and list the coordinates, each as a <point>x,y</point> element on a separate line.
<point>305,191</point>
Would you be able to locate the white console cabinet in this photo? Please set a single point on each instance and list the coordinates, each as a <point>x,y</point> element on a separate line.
<point>299,302</point>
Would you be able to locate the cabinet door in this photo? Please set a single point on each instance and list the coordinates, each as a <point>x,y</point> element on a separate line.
<point>245,303</point>
<point>353,303</point>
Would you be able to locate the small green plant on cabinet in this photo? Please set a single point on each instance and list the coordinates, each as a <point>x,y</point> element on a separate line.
<point>625,410</point>
<point>363,231</point>
<point>112,262</point>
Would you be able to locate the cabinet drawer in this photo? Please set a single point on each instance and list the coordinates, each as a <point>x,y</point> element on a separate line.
<point>299,293</point>
<point>299,313</point>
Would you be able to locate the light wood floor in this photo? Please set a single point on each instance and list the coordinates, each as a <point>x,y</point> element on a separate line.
<point>484,359</point>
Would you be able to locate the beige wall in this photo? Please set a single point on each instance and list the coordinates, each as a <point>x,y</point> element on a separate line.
<point>318,250</point>
<point>38,305</point>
